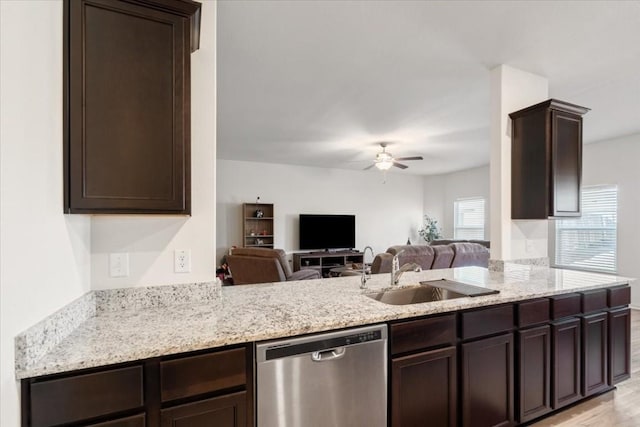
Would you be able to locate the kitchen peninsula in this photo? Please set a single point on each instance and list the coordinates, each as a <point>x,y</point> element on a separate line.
<point>138,340</point>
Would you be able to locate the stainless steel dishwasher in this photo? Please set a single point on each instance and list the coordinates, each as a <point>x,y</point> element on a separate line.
<point>333,379</point>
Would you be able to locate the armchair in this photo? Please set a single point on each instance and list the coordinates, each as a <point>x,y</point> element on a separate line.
<point>262,265</point>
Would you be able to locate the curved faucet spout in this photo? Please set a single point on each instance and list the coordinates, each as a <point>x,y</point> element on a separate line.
<point>397,271</point>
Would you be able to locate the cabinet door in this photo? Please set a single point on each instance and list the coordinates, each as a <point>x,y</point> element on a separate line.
<point>534,373</point>
<point>487,382</point>
<point>134,421</point>
<point>595,342</point>
<point>424,389</point>
<point>566,163</point>
<point>127,96</point>
<point>224,411</point>
<point>530,166</point>
<point>566,361</point>
<point>619,345</point>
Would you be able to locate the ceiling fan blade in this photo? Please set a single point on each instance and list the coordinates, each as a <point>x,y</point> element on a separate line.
<point>400,165</point>
<point>369,167</point>
<point>410,158</point>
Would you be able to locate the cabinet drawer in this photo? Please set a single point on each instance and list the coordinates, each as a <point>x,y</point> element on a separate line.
<point>619,296</point>
<point>76,398</point>
<point>486,321</point>
<point>533,312</point>
<point>565,305</point>
<point>424,333</point>
<point>223,411</point>
<point>595,300</point>
<point>135,421</point>
<point>190,376</point>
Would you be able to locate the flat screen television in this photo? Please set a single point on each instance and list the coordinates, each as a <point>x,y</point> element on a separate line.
<point>327,231</point>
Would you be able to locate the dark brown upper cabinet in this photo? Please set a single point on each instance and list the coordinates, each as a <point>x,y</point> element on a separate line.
<point>546,160</point>
<point>127,105</point>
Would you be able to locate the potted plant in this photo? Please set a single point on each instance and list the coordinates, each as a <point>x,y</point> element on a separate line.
<point>430,230</point>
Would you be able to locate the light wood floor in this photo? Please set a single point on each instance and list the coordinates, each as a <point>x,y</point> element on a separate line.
<point>619,408</point>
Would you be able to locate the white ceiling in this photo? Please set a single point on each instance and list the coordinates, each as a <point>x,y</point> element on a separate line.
<point>319,83</point>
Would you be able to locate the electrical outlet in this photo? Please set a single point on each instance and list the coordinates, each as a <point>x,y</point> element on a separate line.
<point>119,264</point>
<point>182,261</point>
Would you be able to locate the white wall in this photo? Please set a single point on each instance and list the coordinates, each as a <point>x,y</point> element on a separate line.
<point>616,162</point>
<point>151,240</point>
<point>44,255</point>
<point>48,259</point>
<point>441,191</point>
<point>511,90</point>
<point>433,198</point>
<point>386,214</point>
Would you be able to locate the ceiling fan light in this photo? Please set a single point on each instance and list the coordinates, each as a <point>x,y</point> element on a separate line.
<point>384,164</point>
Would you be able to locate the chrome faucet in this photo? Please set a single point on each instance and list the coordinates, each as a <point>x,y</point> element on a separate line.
<point>397,271</point>
<point>364,278</point>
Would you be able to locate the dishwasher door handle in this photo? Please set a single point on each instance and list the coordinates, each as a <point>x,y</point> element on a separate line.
<point>326,355</point>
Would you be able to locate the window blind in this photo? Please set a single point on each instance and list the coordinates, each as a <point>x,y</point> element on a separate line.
<point>468,219</point>
<point>590,242</point>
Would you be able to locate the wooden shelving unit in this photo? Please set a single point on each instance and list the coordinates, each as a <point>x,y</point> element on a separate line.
<point>325,261</point>
<point>257,232</point>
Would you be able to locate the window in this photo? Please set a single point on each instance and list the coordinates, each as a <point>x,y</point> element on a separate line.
<point>590,242</point>
<point>468,221</point>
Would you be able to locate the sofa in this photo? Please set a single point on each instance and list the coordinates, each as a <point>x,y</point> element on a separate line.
<point>430,257</point>
<point>262,265</point>
<point>485,243</point>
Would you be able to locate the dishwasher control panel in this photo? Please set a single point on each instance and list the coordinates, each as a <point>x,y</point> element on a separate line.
<point>363,337</point>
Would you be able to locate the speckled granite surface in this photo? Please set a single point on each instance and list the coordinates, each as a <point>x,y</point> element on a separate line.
<point>45,335</point>
<point>498,264</point>
<point>154,296</point>
<point>212,317</point>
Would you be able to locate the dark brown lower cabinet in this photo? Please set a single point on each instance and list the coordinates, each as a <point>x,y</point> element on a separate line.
<point>204,388</point>
<point>534,369</point>
<point>80,397</point>
<point>135,421</point>
<point>487,382</point>
<point>423,389</point>
<point>619,345</point>
<point>595,366</point>
<point>566,343</point>
<point>224,411</point>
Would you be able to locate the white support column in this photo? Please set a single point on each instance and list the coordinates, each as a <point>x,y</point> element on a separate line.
<point>511,90</point>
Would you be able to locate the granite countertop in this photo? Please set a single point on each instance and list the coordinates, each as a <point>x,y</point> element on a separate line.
<point>122,330</point>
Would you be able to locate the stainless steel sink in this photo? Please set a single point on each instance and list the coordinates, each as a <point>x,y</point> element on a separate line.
<point>414,295</point>
<point>462,288</point>
<point>433,290</point>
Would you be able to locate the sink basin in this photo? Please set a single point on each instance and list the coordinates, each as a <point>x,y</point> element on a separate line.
<point>462,288</point>
<point>433,290</point>
<point>414,295</point>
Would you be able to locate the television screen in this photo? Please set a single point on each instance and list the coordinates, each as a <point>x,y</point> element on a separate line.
<point>327,231</point>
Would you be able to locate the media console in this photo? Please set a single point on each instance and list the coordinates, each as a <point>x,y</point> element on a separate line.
<point>325,261</point>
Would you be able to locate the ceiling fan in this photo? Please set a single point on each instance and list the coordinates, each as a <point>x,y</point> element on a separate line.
<point>384,160</point>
